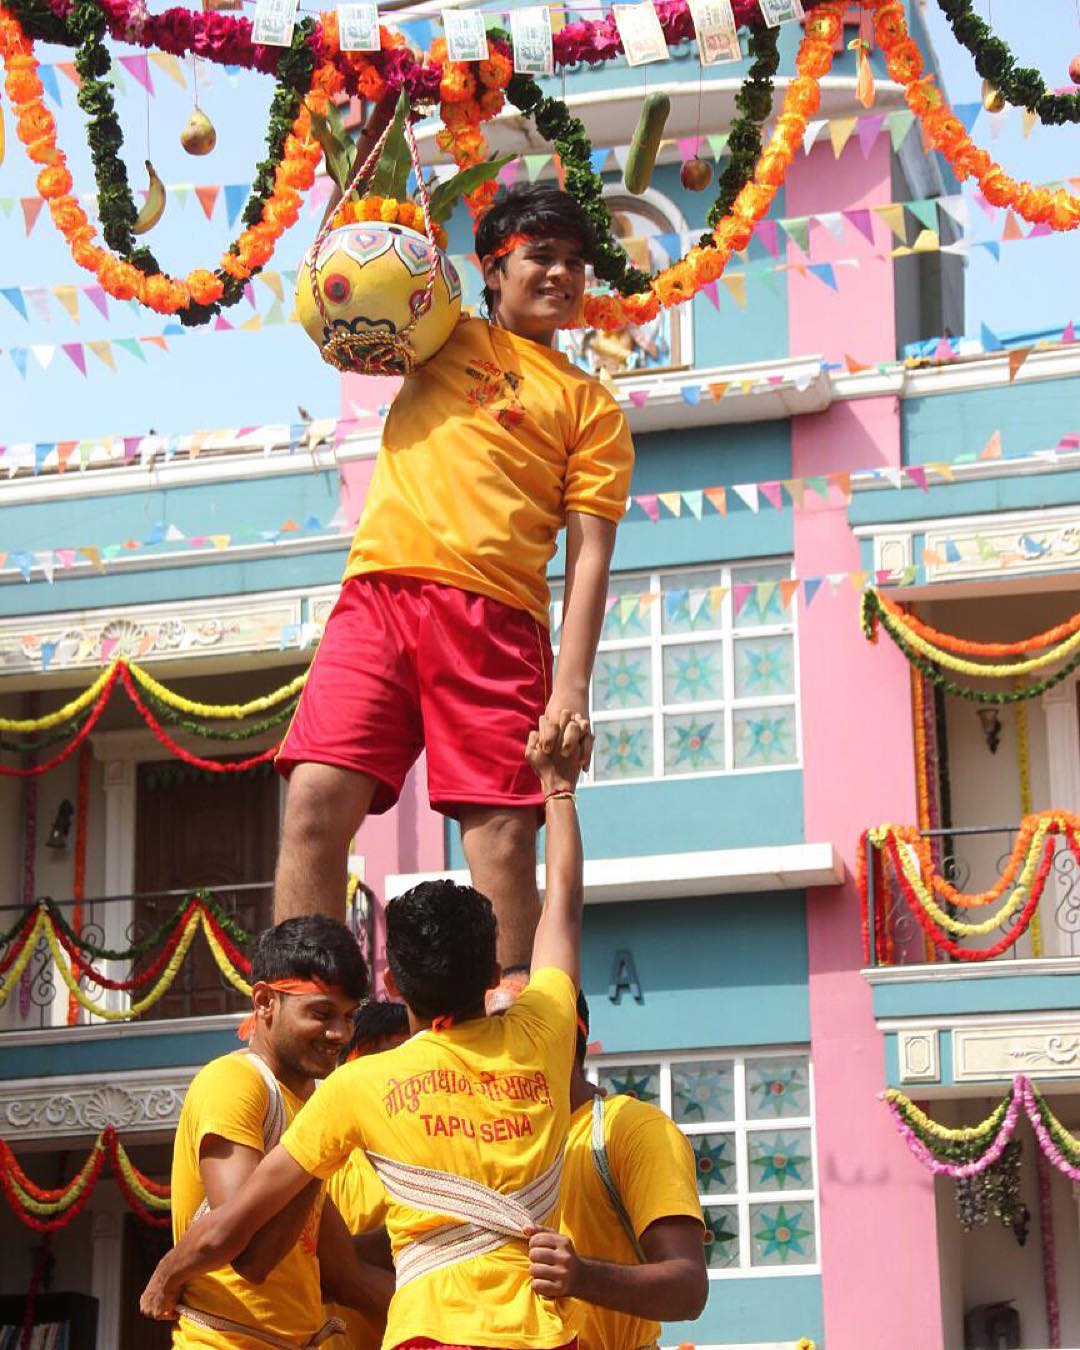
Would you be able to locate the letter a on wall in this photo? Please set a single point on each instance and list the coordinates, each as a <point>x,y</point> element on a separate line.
<point>624,976</point>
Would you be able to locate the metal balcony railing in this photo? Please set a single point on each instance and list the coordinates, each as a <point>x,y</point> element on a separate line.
<point>972,860</point>
<point>39,998</point>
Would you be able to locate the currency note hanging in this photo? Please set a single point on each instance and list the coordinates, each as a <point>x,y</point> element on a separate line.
<point>274,22</point>
<point>716,31</point>
<point>358,28</point>
<point>642,37</point>
<point>530,34</point>
<point>781,11</point>
<point>466,36</point>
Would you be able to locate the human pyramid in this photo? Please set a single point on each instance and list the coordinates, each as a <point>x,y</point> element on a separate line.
<point>457,1181</point>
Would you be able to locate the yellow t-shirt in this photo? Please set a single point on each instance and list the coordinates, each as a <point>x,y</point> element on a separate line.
<point>653,1166</point>
<point>485,450</point>
<point>487,1100</point>
<point>361,1201</point>
<point>228,1098</point>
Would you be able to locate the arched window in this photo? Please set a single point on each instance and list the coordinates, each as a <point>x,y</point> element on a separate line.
<point>654,233</point>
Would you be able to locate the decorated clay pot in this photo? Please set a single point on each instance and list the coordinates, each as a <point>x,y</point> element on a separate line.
<point>371,278</point>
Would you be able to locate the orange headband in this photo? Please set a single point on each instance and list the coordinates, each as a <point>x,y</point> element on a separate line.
<point>511,242</point>
<point>290,985</point>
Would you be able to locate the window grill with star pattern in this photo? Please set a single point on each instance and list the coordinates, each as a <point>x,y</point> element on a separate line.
<point>696,673</point>
<point>749,1120</point>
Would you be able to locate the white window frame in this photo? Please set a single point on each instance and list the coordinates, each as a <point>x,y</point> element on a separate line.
<point>657,640</point>
<point>743,1196</point>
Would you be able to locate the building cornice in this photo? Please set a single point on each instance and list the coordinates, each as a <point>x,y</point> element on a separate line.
<point>72,1106</point>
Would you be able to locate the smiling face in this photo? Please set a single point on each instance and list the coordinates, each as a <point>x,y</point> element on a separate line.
<point>538,287</point>
<point>307,1032</point>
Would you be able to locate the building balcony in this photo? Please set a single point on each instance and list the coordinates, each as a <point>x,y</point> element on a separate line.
<point>66,1070</point>
<point>961,1007</point>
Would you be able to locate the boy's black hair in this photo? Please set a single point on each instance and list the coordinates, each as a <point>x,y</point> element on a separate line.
<point>440,946</point>
<point>311,947</point>
<point>540,209</point>
<point>582,1030</point>
<point>377,1020</point>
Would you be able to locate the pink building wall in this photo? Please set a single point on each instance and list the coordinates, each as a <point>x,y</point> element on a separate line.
<point>880,1286</point>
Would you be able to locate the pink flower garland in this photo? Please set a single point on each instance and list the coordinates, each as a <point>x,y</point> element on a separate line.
<point>1049,1261</point>
<point>956,1170</point>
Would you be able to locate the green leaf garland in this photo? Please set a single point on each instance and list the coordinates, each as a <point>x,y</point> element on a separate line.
<point>1022,86</point>
<point>754,102</point>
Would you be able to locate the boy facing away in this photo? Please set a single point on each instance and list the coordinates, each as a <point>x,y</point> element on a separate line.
<point>439,640</point>
<point>464,1123</point>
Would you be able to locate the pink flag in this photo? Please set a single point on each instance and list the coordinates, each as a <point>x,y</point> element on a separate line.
<point>771,493</point>
<point>712,293</point>
<point>638,397</point>
<point>31,209</point>
<point>869,129</point>
<point>650,504</point>
<point>139,66</point>
<point>766,231</point>
<point>1069,332</point>
<point>741,592</point>
<point>74,351</point>
<point>917,474</point>
<point>688,147</point>
<point>862,220</point>
<point>98,299</point>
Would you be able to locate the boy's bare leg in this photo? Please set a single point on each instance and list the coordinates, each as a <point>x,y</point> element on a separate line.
<point>500,848</point>
<point>324,807</point>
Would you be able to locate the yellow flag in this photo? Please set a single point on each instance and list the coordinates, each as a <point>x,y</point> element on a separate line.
<point>840,129</point>
<point>673,501</point>
<point>102,349</point>
<point>273,280</point>
<point>736,284</point>
<point>170,65</point>
<point>893,216</point>
<point>68,296</point>
<point>928,242</point>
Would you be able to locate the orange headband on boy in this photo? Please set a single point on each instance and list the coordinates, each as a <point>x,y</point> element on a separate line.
<point>246,1028</point>
<point>511,242</point>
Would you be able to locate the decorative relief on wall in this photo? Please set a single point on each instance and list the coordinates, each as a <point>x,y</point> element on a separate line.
<point>45,1110</point>
<point>919,1057</point>
<point>990,1053</point>
<point>1015,543</point>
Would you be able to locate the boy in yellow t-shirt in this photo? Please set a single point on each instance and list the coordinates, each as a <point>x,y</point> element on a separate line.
<point>439,640</point>
<point>630,1246</point>
<point>464,1123</point>
<point>307,976</point>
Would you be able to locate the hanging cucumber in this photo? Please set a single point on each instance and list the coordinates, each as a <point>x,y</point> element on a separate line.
<point>646,143</point>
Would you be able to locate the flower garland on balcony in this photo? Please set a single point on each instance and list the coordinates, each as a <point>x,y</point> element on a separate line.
<point>47,1209</point>
<point>78,884</point>
<point>877,600</point>
<point>946,133</point>
<point>78,718</point>
<point>911,864</point>
<point>41,924</point>
<point>1021,86</point>
<point>967,1152</point>
<point>925,655</point>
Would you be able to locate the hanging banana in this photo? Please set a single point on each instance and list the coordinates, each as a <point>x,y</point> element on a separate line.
<point>151,210</point>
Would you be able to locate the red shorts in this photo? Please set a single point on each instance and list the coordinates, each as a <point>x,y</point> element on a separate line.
<point>406,664</point>
<point>423,1343</point>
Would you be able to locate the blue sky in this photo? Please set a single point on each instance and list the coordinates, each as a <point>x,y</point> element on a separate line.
<point>222,379</point>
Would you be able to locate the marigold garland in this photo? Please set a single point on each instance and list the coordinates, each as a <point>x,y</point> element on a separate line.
<point>47,1210</point>
<point>946,133</point>
<point>873,599</point>
<point>911,863</point>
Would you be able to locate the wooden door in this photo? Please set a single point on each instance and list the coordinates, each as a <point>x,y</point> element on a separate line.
<point>144,1246</point>
<point>199,829</point>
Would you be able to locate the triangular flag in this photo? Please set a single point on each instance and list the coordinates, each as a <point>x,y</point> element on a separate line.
<point>236,194</point>
<point>74,352</point>
<point>858,580</point>
<point>20,358</point>
<point>170,65</point>
<point>869,130</point>
<point>796,491</point>
<point>824,272</point>
<point>797,229</point>
<point>64,451</point>
<point>968,113</point>
<point>833,221</point>
<point>771,493</point>
<point>788,587</point>
<point>673,501</point>
<point>273,281</point>
<point>14,296</point>
<point>1068,334</point>
<point>717,499</point>
<point>92,556</point>
<point>1011,229</point>
<point>1027,121</point>
<point>842,482</point>
<point>840,129</point>
<point>711,291</point>
<point>917,474</point>
<point>639,397</point>
<point>31,209</point>
<point>51,85</point>
<point>650,504</point>
<point>893,216</point>
<point>740,593</point>
<point>536,164</point>
<point>768,232</point>
<point>1017,357</point>
<point>131,346</point>
<point>853,366</point>
<point>691,393</point>
<point>863,222</point>
<point>747,493</point>
<point>156,341</point>
<point>811,586</point>
<point>207,194</point>
<point>717,145</point>
<point>68,296</point>
<point>945,470</point>
<point>990,341</point>
<point>718,389</point>
<point>813,131</point>
<point>899,124</point>
<point>925,212</point>
<point>736,286</point>
<point>763,594</point>
<point>818,483</point>
<point>67,69</point>
<point>103,351</point>
<point>139,66</point>
<point>695,502</point>
<point>98,299</point>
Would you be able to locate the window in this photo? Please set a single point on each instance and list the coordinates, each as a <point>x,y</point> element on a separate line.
<point>749,1119</point>
<point>695,674</point>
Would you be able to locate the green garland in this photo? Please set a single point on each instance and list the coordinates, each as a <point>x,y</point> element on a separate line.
<point>1022,86</point>
<point>754,102</point>
<point>42,739</point>
<point>137,949</point>
<point>960,1151</point>
<point>211,732</point>
<point>938,677</point>
<point>567,133</point>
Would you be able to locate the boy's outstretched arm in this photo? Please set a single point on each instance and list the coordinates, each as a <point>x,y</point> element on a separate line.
<point>557,751</point>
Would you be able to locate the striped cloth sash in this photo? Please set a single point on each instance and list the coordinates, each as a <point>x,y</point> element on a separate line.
<point>273,1125</point>
<point>487,1219</point>
<point>215,1322</point>
<point>607,1176</point>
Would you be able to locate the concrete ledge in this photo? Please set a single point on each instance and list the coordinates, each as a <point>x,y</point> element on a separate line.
<point>668,876</point>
